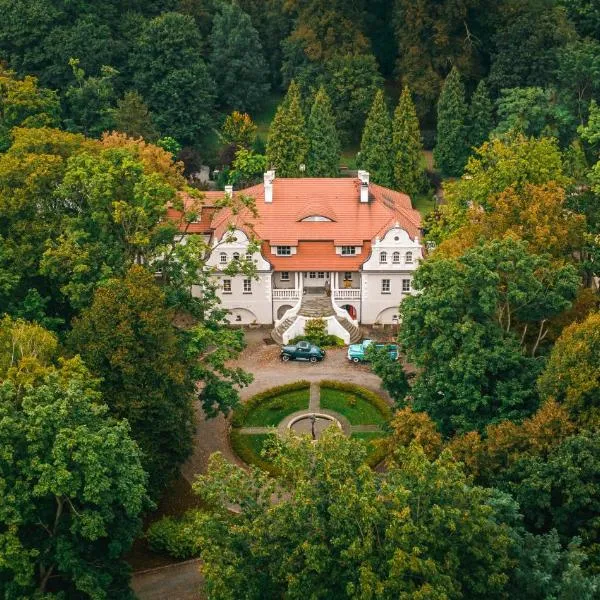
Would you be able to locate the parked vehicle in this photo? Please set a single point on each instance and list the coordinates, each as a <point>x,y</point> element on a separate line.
<point>358,352</point>
<point>302,351</point>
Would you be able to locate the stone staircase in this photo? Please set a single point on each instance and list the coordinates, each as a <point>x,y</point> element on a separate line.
<point>314,307</point>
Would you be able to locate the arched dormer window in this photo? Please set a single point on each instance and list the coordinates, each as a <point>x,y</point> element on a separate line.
<point>236,256</point>
<point>313,218</point>
<point>396,258</point>
<point>222,258</point>
<point>383,258</point>
<point>408,258</point>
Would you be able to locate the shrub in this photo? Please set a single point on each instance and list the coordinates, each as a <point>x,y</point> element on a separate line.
<point>241,413</point>
<point>377,401</point>
<point>329,341</point>
<point>315,332</point>
<point>177,537</point>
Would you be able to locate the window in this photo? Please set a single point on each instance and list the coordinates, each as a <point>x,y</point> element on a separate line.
<point>406,285</point>
<point>317,218</point>
<point>396,258</point>
<point>347,276</point>
<point>223,258</point>
<point>248,255</point>
<point>284,276</point>
<point>321,274</point>
<point>284,250</point>
<point>348,250</point>
<point>383,258</point>
<point>385,286</point>
<point>312,275</point>
<point>247,286</point>
<point>227,286</point>
<point>236,256</point>
<point>408,258</point>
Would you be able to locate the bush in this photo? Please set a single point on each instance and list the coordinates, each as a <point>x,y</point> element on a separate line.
<point>178,538</point>
<point>328,341</point>
<point>377,401</point>
<point>315,332</point>
<point>241,413</point>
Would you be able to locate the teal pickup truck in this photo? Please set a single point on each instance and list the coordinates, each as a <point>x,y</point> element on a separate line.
<point>358,352</point>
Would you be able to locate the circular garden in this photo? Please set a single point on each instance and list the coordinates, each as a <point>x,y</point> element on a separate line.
<point>358,412</point>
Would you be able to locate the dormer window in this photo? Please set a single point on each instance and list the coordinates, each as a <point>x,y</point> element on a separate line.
<point>348,250</point>
<point>284,250</point>
<point>223,258</point>
<point>313,218</point>
<point>408,258</point>
<point>396,258</point>
<point>383,258</point>
<point>236,256</point>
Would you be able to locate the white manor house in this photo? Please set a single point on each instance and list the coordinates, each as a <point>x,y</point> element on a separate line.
<point>342,249</point>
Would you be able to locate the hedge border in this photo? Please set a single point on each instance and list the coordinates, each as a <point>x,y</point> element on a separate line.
<point>371,397</point>
<point>240,414</point>
<point>247,454</point>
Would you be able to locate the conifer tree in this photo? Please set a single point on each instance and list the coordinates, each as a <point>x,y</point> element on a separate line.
<point>451,149</point>
<point>480,116</point>
<point>376,144</point>
<point>409,171</point>
<point>237,63</point>
<point>287,145</point>
<point>323,141</point>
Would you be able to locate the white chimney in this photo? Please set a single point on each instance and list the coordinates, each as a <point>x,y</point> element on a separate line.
<point>269,178</point>
<point>364,186</point>
<point>229,191</point>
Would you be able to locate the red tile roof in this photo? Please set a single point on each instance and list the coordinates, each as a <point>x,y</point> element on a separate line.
<point>352,223</point>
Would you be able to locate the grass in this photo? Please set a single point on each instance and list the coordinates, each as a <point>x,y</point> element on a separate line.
<point>356,409</point>
<point>369,436</point>
<point>265,116</point>
<point>273,410</point>
<point>249,446</point>
<point>424,203</point>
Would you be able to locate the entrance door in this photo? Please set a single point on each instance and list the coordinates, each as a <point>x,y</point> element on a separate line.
<point>315,282</point>
<point>351,310</point>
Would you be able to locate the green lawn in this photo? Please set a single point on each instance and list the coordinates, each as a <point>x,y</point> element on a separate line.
<point>424,204</point>
<point>273,410</point>
<point>357,410</point>
<point>369,436</point>
<point>265,116</point>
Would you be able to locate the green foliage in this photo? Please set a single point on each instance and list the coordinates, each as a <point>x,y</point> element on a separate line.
<point>71,503</point>
<point>247,168</point>
<point>451,150</point>
<point>572,375</point>
<point>126,337</point>
<point>332,521</point>
<point>169,144</point>
<point>90,101</point>
<point>236,61</point>
<point>253,449</point>
<point>323,158</point>
<point>367,395</point>
<point>132,117</point>
<point>409,169</point>
<point>177,537</point>
<point>172,77</point>
<point>394,379</point>
<point>315,332</point>
<point>590,133</point>
<point>475,329</point>
<point>241,413</point>
<point>287,145</point>
<point>481,116</point>
<point>24,104</point>
<point>376,144</point>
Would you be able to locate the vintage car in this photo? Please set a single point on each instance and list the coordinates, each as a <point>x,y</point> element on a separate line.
<point>358,352</point>
<point>302,351</point>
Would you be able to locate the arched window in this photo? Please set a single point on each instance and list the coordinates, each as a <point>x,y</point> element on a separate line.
<point>223,258</point>
<point>236,256</point>
<point>408,258</point>
<point>383,257</point>
<point>396,258</point>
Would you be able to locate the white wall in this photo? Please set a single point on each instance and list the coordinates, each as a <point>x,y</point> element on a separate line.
<point>377,306</point>
<point>395,240</point>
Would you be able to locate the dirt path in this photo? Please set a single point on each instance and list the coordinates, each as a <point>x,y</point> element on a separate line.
<point>175,582</point>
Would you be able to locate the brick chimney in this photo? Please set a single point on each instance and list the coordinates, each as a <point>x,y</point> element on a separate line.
<point>364,186</point>
<point>269,178</point>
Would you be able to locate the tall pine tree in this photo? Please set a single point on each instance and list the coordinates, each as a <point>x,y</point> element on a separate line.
<point>409,170</point>
<point>481,117</point>
<point>451,149</point>
<point>323,141</point>
<point>237,63</point>
<point>376,144</point>
<point>287,146</point>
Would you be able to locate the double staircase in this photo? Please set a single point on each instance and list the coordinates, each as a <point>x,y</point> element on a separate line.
<point>316,307</point>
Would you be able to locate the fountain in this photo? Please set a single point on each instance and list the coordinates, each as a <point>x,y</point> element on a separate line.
<point>312,424</point>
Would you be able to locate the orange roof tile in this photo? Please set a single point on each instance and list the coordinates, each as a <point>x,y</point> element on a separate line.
<point>317,256</point>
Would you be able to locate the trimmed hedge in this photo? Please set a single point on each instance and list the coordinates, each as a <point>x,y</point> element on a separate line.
<point>241,444</point>
<point>241,413</point>
<point>177,537</point>
<point>376,401</point>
